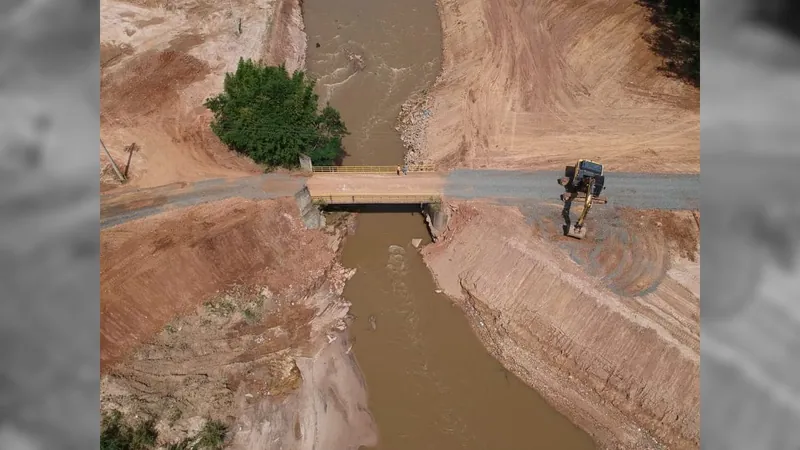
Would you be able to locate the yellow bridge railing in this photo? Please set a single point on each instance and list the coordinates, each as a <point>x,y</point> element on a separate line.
<point>372,169</point>
<point>363,199</point>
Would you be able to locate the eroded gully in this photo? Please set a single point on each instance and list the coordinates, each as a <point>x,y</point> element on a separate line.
<point>431,383</point>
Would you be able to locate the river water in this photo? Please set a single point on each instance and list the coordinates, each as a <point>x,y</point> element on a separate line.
<point>431,383</point>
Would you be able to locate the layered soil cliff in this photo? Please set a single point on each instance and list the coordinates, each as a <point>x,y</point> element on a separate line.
<point>607,329</point>
<point>231,311</point>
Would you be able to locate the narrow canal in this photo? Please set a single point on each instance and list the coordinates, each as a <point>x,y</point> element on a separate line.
<point>431,383</point>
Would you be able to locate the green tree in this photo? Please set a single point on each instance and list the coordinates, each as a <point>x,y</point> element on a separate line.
<point>273,117</point>
<point>677,35</point>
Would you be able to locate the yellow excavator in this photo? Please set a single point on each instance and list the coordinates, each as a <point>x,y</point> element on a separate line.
<point>584,180</point>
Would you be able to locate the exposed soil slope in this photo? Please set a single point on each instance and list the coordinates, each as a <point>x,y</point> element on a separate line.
<point>540,84</point>
<point>161,60</point>
<point>607,328</point>
<point>155,268</point>
<point>228,310</point>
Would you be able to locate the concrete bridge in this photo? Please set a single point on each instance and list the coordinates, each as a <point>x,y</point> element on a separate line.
<point>364,185</point>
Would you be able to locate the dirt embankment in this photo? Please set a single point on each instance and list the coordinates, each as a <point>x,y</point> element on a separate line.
<point>161,60</point>
<point>231,311</point>
<point>541,84</point>
<point>607,329</point>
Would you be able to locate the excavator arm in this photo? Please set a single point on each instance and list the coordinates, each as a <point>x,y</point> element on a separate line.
<point>576,230</point>
<point>587,204</point>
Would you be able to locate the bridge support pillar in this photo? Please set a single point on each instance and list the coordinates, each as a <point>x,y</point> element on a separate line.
<point>305,163</point>
<point>309,212</point>
<point>436,217</point>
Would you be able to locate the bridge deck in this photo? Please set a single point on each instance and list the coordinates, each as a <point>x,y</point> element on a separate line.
<point>368,199</point>
<point>373,169</point>
<point>361,188</point>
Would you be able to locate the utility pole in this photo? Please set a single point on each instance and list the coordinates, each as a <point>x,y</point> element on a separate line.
<point>113,164</point>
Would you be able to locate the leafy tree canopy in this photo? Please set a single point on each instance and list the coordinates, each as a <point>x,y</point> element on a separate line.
<point>677,35</point>
<point>273,117</point>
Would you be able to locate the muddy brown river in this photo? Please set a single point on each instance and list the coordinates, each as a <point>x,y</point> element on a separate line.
<point>431,383</point>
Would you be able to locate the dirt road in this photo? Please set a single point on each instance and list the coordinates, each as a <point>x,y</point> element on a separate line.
<point>646,191</point>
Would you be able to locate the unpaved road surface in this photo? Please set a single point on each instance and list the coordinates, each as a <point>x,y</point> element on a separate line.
<point>645,191</point>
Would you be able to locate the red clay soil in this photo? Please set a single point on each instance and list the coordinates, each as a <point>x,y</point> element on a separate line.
<point>156,268</point>
<point>606,328</point>
<point>539,84</point>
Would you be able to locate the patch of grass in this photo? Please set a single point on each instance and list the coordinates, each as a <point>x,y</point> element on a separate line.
<point>250,316</point>
<point>212,436</point>
<point>115,434</point>
<point>170,329</point>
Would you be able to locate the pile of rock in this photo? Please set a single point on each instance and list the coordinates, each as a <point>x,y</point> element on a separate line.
<point>412,123</point>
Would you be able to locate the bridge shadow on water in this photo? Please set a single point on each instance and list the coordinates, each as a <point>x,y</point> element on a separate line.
<point>392,208</point>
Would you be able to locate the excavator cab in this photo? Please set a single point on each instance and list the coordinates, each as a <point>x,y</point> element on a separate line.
<point>576,180</point>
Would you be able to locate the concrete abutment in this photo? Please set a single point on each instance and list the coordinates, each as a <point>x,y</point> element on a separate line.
<point>436,216</point>
<point>311,214</point>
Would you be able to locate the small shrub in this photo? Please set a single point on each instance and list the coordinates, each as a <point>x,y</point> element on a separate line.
<point>116,435</point>
<point>212,436</point>
<point>249,315</point>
